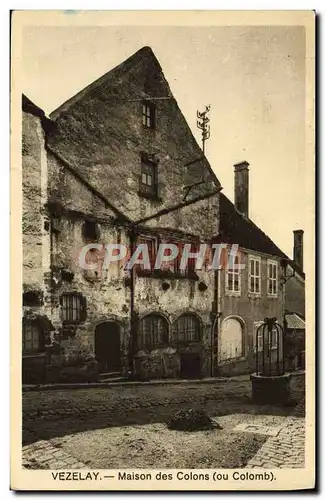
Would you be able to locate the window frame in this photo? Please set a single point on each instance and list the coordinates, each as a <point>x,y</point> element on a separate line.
<point>40,348</point>
<point>186,340</point>
<point>82,305</point>
<point>148,115</point>
<point>233,273</point>
<point>254,258</point>
<point>145,189</point>
<point>90,230</point>
<point>141,337</point>
<point>271,262</point>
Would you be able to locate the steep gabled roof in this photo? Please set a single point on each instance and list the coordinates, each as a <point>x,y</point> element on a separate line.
<point>110,76</point>
<point>99,131</point>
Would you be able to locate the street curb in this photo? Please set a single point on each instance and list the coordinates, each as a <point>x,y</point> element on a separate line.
<point>127,383</point>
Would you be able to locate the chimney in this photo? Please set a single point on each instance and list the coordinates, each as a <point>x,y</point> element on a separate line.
<point>298,248</point>
<point>242,187</point>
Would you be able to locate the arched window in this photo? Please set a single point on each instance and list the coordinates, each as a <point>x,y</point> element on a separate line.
<point>153,332</point>
<point>32,337</point>
<point>230,340</point>
<point>186,329</point>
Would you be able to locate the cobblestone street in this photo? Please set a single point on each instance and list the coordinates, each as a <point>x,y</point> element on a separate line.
<point>48,415</point>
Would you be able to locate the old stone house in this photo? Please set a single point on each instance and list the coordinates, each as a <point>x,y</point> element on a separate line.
<point>118,164</point>
<point>247,296</point>
<point>123,167</point>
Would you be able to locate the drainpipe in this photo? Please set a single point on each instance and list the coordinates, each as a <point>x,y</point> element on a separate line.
<point>215,321</point>
<point>133,322</point>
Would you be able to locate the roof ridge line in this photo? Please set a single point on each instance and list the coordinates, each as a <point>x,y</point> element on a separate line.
<point>94,190</point>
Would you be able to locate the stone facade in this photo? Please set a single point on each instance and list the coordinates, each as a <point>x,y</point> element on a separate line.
<point>94,160</point>
<point>36,242</point>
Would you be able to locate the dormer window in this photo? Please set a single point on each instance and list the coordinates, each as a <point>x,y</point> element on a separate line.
<point>148,114</point>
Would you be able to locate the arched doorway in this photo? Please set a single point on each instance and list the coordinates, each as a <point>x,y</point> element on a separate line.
<point>231,340</point>
<point>107,347</point>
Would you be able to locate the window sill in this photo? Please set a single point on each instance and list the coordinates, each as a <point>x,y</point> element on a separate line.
<point>158,274</point>
<point>233,294</point>
<point>269,296</point>
<point>149,196</point>
<point>254,295</point>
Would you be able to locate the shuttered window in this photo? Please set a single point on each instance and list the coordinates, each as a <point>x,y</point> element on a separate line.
<point>255,275</point>
<point>272,275</point>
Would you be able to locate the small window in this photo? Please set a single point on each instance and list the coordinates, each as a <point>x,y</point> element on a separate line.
<point>90,230</point>
<point>148,181</point>
<point>254,275</point>
<point>32,299</point>
<point>153,332</point>
<point>186,329</point>
<point>272,278</point>
<point>232,281</point>
<point>32,338</point>
<point>148,115</point>
<point>73,308</point>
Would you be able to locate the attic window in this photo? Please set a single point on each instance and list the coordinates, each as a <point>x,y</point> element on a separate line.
<point>148,114</point>
<point>90,230</point>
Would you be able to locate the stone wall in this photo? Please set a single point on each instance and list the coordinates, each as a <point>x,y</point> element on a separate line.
<point>108,295</point>
<point>34,217</point>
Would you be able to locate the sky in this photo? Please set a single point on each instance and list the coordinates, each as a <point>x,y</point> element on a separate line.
<point>252,77</point>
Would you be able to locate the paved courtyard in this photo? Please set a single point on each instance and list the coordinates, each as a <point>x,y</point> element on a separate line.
<point>59,426</point>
